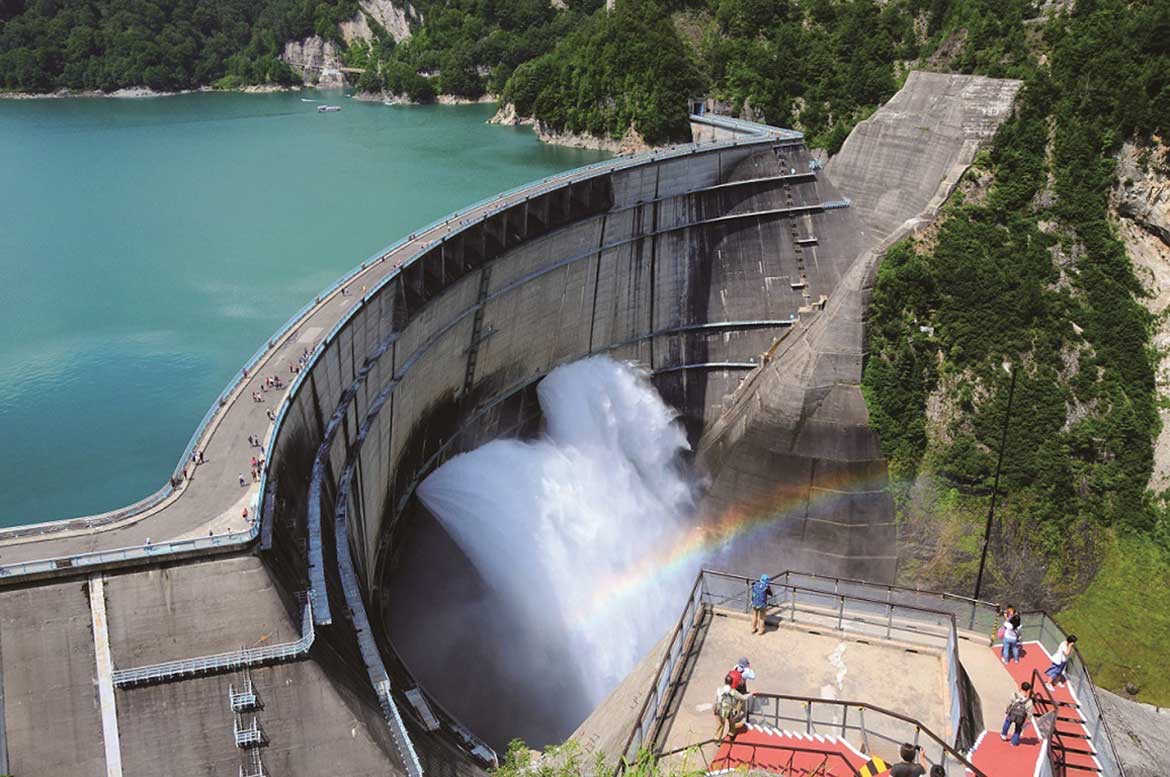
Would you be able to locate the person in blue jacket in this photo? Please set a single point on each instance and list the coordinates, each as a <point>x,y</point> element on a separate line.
<point>761,593</point>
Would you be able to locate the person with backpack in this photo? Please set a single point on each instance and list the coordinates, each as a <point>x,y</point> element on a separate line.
<point>1019,710</point>
<point>739,674</point>
<point>1056,672</point>
<point>730,708</point>
<point>761,593</point>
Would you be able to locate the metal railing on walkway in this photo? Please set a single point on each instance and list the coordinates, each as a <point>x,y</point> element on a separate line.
<point>984,617</point>
<point>159,551</point>
<point>221,662</point>
<point>862,616</point>
<point>765,757</point>
<point>1061,744</point>
<point>873,728</point>
<point>867,727</point>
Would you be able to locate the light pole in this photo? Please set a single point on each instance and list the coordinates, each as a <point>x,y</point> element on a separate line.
<point>995,486</point>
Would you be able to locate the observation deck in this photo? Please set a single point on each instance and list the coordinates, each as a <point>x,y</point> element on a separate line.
<point>848,671</point>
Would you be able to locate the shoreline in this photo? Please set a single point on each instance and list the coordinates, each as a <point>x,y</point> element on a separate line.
<point>505,114</point>
<point>441,99</point>
<point>630,143</point>
<point>143,92</point>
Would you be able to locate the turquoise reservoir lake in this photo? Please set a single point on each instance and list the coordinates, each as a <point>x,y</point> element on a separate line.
<point>149,246</point>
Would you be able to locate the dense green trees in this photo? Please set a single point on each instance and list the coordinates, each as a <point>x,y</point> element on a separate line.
<point>163,44</point>
<point>617,70</point>
<point>1035,276</point>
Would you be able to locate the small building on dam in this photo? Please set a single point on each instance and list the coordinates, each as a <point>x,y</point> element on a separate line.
<point>735,272</point>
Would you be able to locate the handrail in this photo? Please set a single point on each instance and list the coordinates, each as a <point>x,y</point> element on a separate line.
<point>959,701</point>
<point>665,665</point>
<point>1076,666</point>
<point>160,551</point>
<point>1057,760</point>
<point>713,762</point>
<point>222,662</point>
<point>647,717</point>
<point>846,704</point>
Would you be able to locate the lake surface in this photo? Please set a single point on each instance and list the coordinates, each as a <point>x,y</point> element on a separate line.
<point>149,246</point>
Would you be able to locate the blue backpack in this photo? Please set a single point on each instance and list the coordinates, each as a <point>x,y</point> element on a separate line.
<point>759,594</point>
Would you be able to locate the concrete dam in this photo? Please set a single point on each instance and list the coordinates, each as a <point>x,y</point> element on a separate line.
<point>735,270</point>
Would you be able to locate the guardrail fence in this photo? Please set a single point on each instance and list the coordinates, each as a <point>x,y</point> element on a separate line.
<point>983,618</point>
<point>860,616</point>
<point>221,662</point>
<point>870,728</point>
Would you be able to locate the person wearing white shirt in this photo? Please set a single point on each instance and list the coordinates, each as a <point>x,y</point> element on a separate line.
<point>1010,631</point>
<point>1060,662</point>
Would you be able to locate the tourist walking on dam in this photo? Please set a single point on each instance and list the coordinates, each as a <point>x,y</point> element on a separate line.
<point>1055,672</point>
<point>761,593</point>
<point>1019,710</point>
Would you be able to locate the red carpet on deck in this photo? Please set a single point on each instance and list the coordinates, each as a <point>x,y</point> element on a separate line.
<point>759,748</point>
<point>999,759</point>
<point>992,756</point>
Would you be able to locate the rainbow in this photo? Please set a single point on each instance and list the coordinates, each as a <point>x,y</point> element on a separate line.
<point>735,523</point>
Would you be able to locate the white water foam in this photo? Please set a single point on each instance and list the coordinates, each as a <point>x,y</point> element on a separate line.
<point>568,526</point>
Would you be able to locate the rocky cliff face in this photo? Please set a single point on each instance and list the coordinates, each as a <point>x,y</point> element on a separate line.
<point>1140,205</point>
<point>394,19</point>
<point>318,61</point>
<point>1140,732</point>
<point>315,60</point>
<point>631,143</point>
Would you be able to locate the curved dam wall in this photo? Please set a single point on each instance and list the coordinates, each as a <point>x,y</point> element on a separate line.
<point>691,263</point>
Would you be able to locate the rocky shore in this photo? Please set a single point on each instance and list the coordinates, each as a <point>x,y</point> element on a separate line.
<point>630,143</point>
<point>400,99</point>
<point>139,92</point>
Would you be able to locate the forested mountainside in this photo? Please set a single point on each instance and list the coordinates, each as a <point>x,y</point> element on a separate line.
<point>1025,272</point>
<point>817,64</point>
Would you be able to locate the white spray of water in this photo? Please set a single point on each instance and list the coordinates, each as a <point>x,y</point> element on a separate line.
<point>561,524</point>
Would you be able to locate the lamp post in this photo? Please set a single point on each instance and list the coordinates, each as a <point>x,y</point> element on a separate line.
<point>995,486</point>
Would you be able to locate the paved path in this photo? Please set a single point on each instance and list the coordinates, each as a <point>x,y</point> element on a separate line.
<point>212,498</point>
<point>105,673</point>
<point>1000,759</point>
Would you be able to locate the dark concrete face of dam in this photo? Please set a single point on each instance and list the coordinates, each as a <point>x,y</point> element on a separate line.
<point>692,267</point>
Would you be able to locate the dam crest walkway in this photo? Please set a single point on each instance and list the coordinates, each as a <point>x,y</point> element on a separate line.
<point>215,506</point>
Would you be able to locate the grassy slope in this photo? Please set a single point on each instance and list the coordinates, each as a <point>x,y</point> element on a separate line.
<point>1122,620</point>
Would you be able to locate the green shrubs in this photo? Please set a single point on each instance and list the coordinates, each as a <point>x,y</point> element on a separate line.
<point>1034,276</point>
<point>620,69</point>
<point>164,44</point>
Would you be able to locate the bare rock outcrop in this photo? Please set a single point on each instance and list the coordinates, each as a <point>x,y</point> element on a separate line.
<point>630,143</point>
<point>1142,193</point>
<point>395,19</point>
<point>315,60</point>
<point>1140,206</point>
<point>1140,732</point>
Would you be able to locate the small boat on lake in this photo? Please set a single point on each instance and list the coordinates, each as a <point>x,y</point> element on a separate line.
<point>328,108</point>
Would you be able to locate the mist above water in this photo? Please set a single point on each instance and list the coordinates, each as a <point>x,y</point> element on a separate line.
<point>571,529</point>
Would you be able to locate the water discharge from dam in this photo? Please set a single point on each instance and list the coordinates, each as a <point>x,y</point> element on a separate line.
<point>566,527</point>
